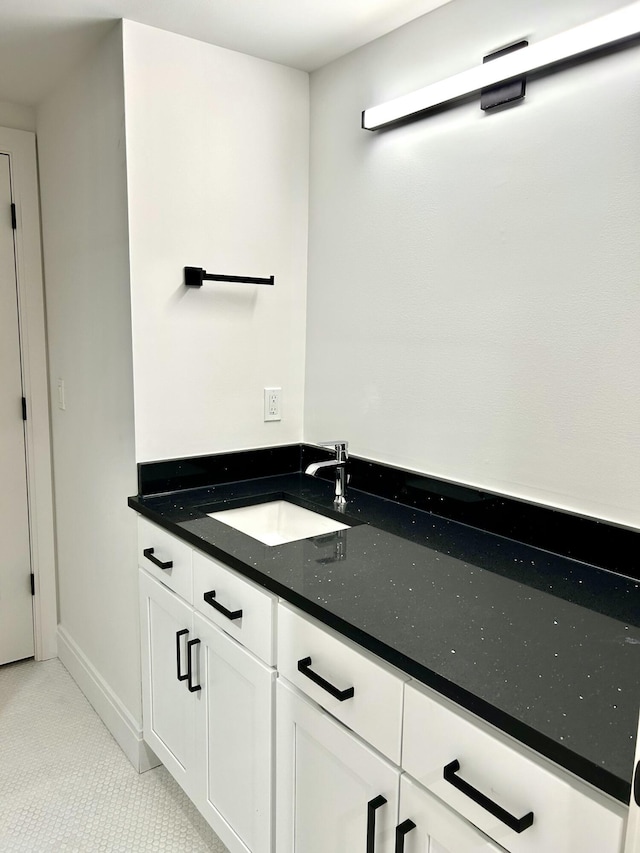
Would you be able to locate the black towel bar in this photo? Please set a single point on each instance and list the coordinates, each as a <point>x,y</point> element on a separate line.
<point>194,276</point>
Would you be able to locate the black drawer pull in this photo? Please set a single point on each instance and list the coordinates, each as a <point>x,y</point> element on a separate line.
<point>148,553</point>
<point>210,598</point>
<point>340,695</point>
<point>193,688</point>
<point>401,830</point>
<point>180,676</point>
<point>517,824</point>
<point>636,785</point>
<point>372,807</point>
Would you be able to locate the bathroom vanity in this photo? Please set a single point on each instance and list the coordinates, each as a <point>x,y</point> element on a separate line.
<point>404,682</point>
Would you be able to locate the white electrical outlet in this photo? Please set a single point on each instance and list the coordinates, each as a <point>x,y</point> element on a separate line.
<point>272,402</point>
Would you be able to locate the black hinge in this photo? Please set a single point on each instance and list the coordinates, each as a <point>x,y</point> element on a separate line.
<point>33,583</point>
<point>14,218</point>
<point>24,408</point>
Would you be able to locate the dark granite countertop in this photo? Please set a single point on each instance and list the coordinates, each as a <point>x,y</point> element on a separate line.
<point>542,646</point>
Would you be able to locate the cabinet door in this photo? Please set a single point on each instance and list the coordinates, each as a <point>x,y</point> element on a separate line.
<point>428,826</point>
<point>333,790</point>
<point>168,705</point>
<point>234,730</point>
<point>632,844</point>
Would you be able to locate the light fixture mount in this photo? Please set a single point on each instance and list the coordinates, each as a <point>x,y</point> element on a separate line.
<point>503,93</point>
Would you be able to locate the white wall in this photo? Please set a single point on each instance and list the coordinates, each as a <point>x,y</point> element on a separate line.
<point>217,151</point>
<point>84,215</point>
<point>17,116</point>
<point>473,301</point>
<point>218,176</point>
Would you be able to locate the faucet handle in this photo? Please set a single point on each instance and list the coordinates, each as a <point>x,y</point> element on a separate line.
<point>341,448</point>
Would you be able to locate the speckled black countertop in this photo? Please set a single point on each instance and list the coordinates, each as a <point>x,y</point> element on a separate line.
<point>544,647</point>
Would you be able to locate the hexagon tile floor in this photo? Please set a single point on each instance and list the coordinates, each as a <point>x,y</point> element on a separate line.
<point>65,785</point>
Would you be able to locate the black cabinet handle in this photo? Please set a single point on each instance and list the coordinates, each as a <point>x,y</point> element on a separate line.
<point>401,830</point>
<point>179,674</point>
<point>636,785</point>
<point>210,598</point>
<point>372,807</point>
<point>340,695</point>
<point>148,553</point>
<point>193,688</point>
<point>517,824</point>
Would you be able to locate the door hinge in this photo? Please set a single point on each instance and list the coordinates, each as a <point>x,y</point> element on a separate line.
<point>33,583</point>
<point>24,408</point>
<point>14,218</point>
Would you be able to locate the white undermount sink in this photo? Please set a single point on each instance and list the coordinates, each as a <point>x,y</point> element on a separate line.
<point>277,522</point>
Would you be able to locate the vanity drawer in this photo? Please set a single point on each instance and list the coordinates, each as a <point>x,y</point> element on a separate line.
<point>358,690</point>
<point>241,608</point>
<point>165,557</point>
<point>568,816</point>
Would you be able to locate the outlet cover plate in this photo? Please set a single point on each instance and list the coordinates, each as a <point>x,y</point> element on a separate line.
<point>272,404</point>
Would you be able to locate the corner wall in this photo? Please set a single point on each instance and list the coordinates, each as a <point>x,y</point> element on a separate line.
<point>17,116</point>
<point>84,217</point>
<point>217,153</point>
<point>473,300</point>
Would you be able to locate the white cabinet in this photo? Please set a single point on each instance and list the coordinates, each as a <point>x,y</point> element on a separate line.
<point>208,701</point>
<point>364,762</point>
<point>239,607</point>
<point>165,558</point>
<point>353,686</point>
<point>234,720</point>
<point>426,825</point>
<point>335,793</point>
<point>632,844</point>
<point>167,663</point>
<point>515,797</point>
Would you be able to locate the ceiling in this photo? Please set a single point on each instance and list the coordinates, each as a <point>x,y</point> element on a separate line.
<point>41,40</point>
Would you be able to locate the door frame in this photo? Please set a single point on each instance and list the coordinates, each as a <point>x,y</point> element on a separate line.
<point>20,145</point>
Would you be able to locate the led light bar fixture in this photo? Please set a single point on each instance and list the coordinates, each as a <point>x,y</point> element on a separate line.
<point>603,32</point>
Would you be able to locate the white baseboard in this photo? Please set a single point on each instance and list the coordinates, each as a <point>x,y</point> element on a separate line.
<point>126,731</point>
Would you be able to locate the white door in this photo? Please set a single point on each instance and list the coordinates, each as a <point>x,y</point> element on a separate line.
<point>169,669</point>
<point>16,607</point>
<point>428,826</point>
<point>235,721</point>
<point>335,794</point>
<point>632,844</point>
